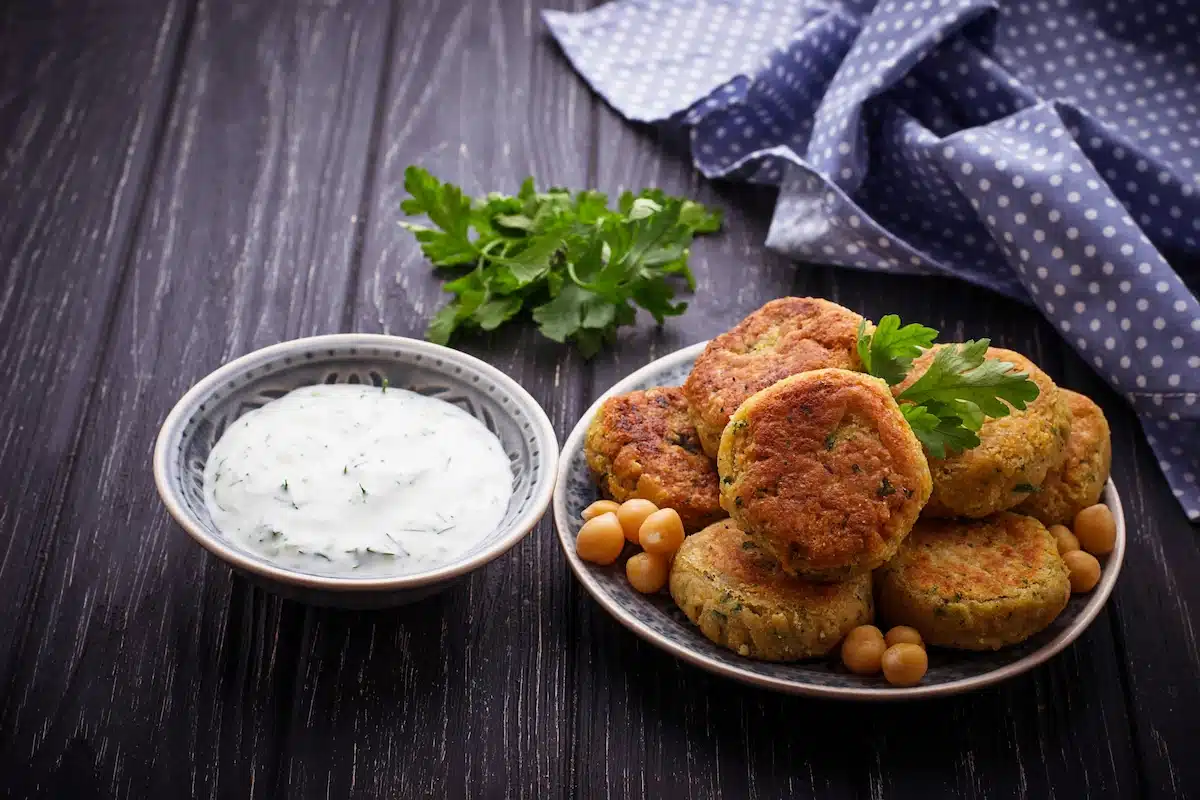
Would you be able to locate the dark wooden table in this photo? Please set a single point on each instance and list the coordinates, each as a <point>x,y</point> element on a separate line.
<point>183,182</point>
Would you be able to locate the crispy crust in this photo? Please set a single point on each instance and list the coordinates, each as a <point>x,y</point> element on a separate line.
<point>1079,482</point>
<point>975,584</point>
<point>1014,451</point>
<point>784,337</point>
<point>742,600</point>
<point>824,473</point>
<point>643,444</point>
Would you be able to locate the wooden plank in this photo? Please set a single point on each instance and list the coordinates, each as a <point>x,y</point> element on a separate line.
<point>472,693</point>
<point>82,96</point>
<point>1155,605</point>
<point>150,671</point>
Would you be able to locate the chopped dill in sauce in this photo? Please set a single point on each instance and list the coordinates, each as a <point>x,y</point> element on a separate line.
<point>356,479</point>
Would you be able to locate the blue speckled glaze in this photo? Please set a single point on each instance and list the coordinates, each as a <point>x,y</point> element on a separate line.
<point>657,619</point>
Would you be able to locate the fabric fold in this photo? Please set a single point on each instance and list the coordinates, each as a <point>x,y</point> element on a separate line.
<point>1049,151</point>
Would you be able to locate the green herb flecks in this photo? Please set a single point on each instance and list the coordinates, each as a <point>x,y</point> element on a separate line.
<point>579,267</point>
<point>1026,487</point>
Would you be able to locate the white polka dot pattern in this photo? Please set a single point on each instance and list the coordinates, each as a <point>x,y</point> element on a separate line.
<point>1048,150</point>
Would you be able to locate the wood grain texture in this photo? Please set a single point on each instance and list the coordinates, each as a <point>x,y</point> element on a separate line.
<point>1155,609</point>
<point>472,693</point>
<point>149,671</point>
<point>81,105</point>
<point>184,184</point>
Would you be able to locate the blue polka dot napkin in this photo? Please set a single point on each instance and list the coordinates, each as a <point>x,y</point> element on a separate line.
<point>1047,150</point>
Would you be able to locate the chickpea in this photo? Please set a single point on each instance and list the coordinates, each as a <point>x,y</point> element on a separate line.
<point>905,664</point>
<point>600,540</point>
<point>600,507</point>
<point>632,514</point>
<point>862,650</point>
<point>1085,571</point>
<point>1096,529</point>
<point>1065,540</point>
<point>903,634</point>
<point>647,572</point>
<point>662,532</point>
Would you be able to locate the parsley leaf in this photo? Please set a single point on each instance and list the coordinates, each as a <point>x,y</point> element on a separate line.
<point>889,350</point>
<point>963,373</point>
<point>939,430</point>
<point>947,405</point>
<point>446,207</point>
<point>578,266</point>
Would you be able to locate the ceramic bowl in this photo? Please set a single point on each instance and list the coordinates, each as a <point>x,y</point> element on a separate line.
<point>202,415</point>
<point>657,619</point>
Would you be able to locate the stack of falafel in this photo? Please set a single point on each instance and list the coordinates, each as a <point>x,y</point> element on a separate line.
<point>810,501</point>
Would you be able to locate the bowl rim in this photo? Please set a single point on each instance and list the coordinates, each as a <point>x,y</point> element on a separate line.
<point>1096,599</point>
<point>173,425</point>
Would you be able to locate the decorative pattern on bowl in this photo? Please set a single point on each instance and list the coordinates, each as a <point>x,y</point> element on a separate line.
<point>657,619</point>
<point>248,383</point>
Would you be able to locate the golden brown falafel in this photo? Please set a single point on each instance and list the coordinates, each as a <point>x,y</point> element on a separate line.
<point>784,337</point>
<point>643,444</point>
<point>823,472</point>
<point>975,584</point>
<point>1079,482</point>
<point>744,601</point>
<point>1014,455</point>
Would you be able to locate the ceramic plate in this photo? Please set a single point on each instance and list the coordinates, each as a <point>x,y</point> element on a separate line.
<point>657,620</point>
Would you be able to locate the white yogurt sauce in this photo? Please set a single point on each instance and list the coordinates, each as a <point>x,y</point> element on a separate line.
<point>357,480</point>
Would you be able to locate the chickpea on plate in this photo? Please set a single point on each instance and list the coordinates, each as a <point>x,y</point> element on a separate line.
<point>817,474</point>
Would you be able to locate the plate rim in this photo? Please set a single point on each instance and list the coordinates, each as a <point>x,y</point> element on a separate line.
<point>1097,600</point>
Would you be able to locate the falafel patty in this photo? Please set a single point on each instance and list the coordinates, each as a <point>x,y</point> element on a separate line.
<point>784,337</point>
<point>643,444</point>
<point>742,600</point>
<point>1014,455</point>
<point>975,584</point>
<point>822,471</point>
<point>1079,482</point>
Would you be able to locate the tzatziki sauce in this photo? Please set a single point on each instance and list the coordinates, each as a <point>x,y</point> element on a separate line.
<point>357,480</point>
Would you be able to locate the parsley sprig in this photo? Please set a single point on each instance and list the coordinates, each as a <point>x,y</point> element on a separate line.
<point>948,404</point>
<point>577,265</point>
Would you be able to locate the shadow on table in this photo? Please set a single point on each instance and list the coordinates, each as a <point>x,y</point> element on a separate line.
<point>463,678</point>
